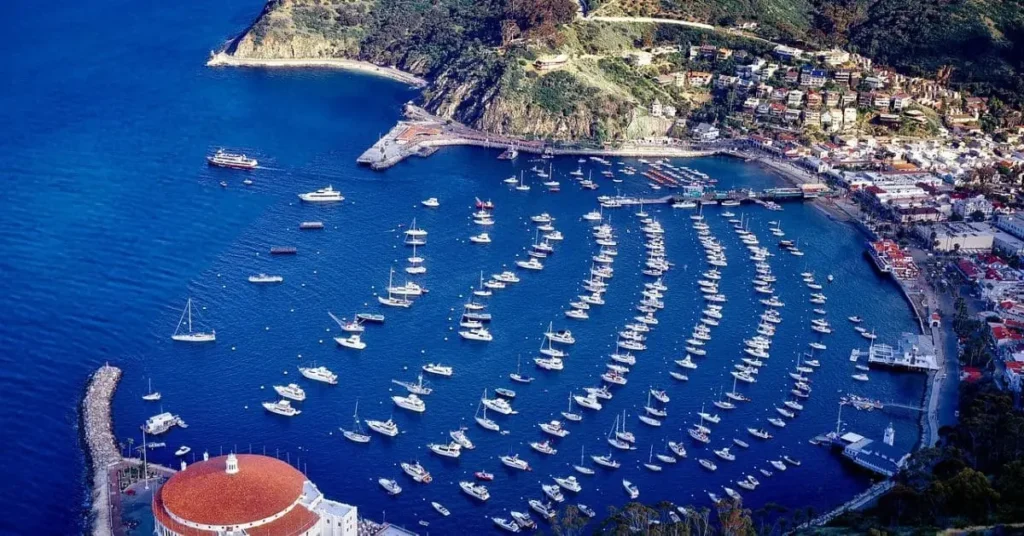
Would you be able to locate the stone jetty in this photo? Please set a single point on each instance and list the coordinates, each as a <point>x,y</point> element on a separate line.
<point>101,446</point>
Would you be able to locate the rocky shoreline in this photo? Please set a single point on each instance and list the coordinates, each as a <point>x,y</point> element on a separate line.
<point>101,451</point>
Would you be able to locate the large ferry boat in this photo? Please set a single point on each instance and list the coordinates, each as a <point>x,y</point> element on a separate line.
<point>225,159</point>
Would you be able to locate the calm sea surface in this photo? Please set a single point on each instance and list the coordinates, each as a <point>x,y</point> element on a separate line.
<point>111,220</point>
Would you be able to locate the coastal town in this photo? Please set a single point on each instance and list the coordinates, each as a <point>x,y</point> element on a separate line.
<point>925,175</point>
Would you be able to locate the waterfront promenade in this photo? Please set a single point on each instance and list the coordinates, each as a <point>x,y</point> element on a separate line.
<point>101,447</point>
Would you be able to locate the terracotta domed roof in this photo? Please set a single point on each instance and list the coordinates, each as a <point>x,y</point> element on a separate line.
<point>205,493</point>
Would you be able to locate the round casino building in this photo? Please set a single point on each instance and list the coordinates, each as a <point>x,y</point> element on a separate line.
<point>250,495</point>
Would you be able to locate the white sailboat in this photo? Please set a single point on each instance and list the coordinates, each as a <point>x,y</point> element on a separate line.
<point>391,300</point>
<point>356,434</point>
<point>415,264</point>
<point>151,396</point>
<point>191,336</point>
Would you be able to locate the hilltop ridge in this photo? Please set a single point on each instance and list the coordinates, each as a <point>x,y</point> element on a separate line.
<point>542,70</point>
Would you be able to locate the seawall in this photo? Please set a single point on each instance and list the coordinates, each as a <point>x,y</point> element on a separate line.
<point>223,59</point>
<point>100,445</point>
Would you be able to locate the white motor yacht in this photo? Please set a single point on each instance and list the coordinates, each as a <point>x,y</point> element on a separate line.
<point>323,195</point>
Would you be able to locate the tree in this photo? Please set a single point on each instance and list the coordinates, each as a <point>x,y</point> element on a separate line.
<point>734,519</point>
<point>969,493</point>
<point>570,523</point>
<point>977,215</point>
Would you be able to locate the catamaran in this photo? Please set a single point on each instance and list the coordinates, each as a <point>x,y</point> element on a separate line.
<point>191,336</point>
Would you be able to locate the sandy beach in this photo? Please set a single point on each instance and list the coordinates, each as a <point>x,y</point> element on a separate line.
<point>222,59</point>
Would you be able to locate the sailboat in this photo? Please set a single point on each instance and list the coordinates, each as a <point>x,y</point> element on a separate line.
<point>191,336</point>
<point>151,396</point>
<point>482,420</point>
<point>522,187</point>
<point>581,468</point>
<point>569,415</point>
<point>650,462</point>
<point>391,300</point>
<point>356,434</point>
<point>517,376</point>
<point>415,263</point>
<point>482,290</point>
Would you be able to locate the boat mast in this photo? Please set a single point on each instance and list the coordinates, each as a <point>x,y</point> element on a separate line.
<point>189,305</point>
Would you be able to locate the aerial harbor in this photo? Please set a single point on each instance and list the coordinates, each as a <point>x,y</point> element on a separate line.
<point>370,269</point>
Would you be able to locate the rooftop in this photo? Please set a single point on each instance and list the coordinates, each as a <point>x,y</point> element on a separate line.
<point>206,493</point>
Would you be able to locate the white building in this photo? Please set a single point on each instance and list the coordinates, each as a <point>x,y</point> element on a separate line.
<point>705,132</point>
<point>965,207</point>
<point>959,236</point>
<point>247,494</point>
<point>1012,223</point>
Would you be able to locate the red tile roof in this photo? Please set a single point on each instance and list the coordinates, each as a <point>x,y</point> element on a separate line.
<point>204,493</point>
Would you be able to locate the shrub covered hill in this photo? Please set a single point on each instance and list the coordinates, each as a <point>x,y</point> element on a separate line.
<point>480,54</point>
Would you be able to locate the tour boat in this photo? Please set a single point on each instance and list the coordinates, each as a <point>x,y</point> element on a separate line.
<point>224,159</point>
<point>191,336</point>
<point>323,195</point>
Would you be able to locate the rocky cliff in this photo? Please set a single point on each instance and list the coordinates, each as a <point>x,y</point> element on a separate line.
<point>495,90</point>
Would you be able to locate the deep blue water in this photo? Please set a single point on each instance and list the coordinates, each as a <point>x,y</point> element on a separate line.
<point>111,219</point>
